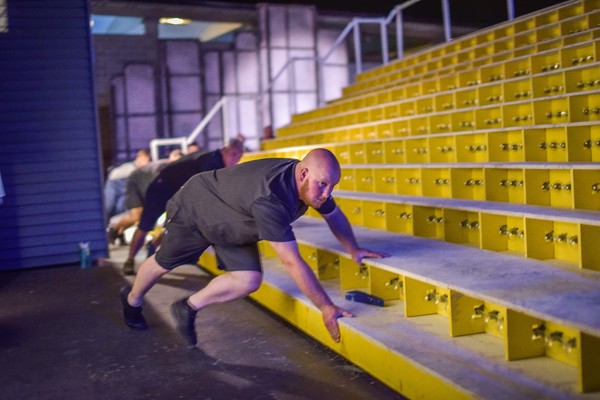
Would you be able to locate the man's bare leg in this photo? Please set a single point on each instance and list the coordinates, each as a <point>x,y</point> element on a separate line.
<point>227,287</point>
<point>137,241</point>
<point>132,298</point>
<point>149,273</point>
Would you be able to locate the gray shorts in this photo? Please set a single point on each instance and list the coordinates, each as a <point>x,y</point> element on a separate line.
<point>183,243</point>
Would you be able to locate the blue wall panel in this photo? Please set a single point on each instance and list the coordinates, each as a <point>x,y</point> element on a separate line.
<point>49,147</point>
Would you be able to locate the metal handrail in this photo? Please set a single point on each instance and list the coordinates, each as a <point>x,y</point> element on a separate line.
<point>353,25</point>
<point>185,141</point>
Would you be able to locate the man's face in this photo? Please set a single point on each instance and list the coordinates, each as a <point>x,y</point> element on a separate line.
<point>316,187</point>
<point>232,156</point>
<point>141,159</point>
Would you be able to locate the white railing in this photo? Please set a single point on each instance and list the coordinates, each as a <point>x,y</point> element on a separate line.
<point>185,141</point>
<point>353,26</point>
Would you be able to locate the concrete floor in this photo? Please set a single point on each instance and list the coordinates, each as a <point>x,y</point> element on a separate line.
<point>62,337</point>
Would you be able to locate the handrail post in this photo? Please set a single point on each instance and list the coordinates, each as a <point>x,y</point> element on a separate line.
<point>357,47</point>
<point>353,25</point>
<point>225,124</point>
<point>510,6</point>
<point>320,81</point>
<point>446,13</point>
<point>292,77</point>
<point>260,121</point>
<point>339,39</point>
<point>384,42</point>
<point>206,119</point>
<point>155,143</point>
<point>400,34</point>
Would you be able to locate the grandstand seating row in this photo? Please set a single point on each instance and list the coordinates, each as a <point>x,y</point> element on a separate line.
<point>561,95</point>
<point>476,165</point>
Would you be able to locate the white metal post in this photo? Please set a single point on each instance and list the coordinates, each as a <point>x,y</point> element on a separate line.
<point>357,47</point>
<point>156,143</point>
<point>320,81</point>
<point>446,14</point>
<point>292,86</point>
<point>510,6</point>
<point>384,42</point>
<point>205,121</point>
<point>399,35</point>
<point>224,119</point>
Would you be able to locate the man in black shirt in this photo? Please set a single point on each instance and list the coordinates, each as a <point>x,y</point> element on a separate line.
<point>234,208</point>
<point>167,183</point>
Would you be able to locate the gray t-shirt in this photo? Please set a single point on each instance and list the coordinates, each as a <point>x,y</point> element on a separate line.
<point>252,201</point>
<point>138,183</point>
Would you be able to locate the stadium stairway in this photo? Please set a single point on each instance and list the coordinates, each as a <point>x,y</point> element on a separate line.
<point>475,164</point>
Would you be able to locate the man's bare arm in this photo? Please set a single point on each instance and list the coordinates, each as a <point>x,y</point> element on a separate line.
<point>309,284</point>
<point>340,227</point>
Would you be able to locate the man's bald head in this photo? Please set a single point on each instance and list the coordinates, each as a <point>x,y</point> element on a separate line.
<point>322,160</point>
<point>233,152</point>
<point>316,175</point>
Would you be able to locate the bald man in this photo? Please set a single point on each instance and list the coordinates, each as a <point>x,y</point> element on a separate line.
<point>232,209</point>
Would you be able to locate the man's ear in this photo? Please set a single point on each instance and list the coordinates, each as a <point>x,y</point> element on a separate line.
<point>303,173</point>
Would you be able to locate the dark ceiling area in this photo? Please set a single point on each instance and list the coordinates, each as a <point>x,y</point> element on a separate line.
<point>464,12</point>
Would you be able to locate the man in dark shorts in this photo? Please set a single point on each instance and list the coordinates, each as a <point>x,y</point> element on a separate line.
<point>135,194</point>
<point>232,209</point>
<point>167,183</point>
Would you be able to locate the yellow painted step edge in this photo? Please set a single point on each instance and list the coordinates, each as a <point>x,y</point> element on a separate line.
<point>399,373</point>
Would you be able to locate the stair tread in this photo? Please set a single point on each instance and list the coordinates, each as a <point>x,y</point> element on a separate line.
<point>425,341</point>
<point>588,217</point>
<point>488,165</point>
<point>565,296</point>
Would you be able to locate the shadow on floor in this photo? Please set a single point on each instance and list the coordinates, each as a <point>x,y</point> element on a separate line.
<point>62,337</point>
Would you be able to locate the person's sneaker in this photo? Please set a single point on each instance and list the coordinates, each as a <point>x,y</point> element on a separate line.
<point>112,235</point>
<point>122,240</point>
<point>185,317</point>
<point>128,267</point>
<point>132,315</point>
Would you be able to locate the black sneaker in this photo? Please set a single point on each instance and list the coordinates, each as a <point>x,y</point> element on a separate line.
<point>185,317</point>
<point>112,235</point>
<point>122,240</point>
<point>128,267</point>
<point>132,315</point>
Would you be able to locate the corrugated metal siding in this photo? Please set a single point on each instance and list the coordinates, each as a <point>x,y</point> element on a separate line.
<point>49,155</point>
